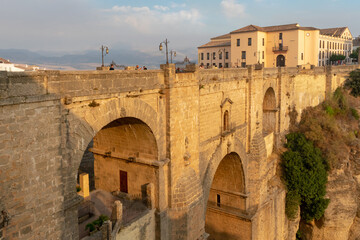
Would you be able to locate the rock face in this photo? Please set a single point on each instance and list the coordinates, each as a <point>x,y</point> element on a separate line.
<point>342,217</point>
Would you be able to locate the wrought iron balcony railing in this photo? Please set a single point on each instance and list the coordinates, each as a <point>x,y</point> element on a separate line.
<point>280,49</point>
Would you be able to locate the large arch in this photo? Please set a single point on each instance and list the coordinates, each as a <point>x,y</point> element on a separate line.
<point>84,125</point>
<point>269,111</point>
<point>214,162</point>
<point>227,202</point>
<point>83,122</point>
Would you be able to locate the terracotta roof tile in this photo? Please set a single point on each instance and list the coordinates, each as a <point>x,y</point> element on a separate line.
<point>225,36</point>
<point>225,43</point>
<point>286,27</point>
<point>335,32</point>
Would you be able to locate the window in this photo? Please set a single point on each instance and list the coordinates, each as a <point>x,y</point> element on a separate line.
<point>227,55</point>
<point>280,36</point>
<point>202,56</point>
<point>243,64</point>
<point>263,55</point>
<point>220,65</point>
<point>302,56</point>
<point>319,55</point>
<point>320,44</point>
<point>226,120</point>
<point>280,46</point>
<point>323,54</point>
<point>243,55</point>
<point>208,56</point>
<point>238,42</point>
<point>226,65</point>
<point>327,43</point>
<point>218,200</point>
<point>207,65</point>
<point>220,55</point>
<point>214,56</point>
<point>249,41</point>
<point>323,44</point>
<point>263,41</point>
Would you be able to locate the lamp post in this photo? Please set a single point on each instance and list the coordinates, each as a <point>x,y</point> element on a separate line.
<point>102,53</point>
<point>172,52</point>
<point>166,47</point>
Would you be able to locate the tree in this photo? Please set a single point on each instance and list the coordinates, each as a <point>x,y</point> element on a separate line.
<point>355,54</point>
<point>353,83</point>
<point>305,177</point>
<point>337,57</point>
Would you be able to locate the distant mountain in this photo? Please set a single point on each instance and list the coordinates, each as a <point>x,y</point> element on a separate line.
<point>86,60</point>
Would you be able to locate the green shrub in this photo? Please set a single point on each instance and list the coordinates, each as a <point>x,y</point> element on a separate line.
<point>353,83</point>
<point>305,175</point>
<point>354,113</point>
<point>329,110</point>
<point>90,226</point>
<point>78,188</point>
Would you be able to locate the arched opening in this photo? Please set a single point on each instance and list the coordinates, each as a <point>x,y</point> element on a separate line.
<point>269,112</point>
<point>120,164</point>
<point>226,206</point>
<point>226,121</point>
<point>280,61</point>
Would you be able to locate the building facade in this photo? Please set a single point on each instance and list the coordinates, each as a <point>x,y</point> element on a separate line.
<point>276,46</point>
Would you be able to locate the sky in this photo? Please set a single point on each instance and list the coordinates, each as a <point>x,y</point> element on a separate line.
<point>75,26</point>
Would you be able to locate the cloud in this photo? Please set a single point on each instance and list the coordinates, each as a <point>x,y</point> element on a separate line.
<point>232,9</point>
<point>161,8</point>
<point>149,20</point>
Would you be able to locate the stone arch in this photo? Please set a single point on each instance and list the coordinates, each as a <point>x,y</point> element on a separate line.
<point>269,111</point>
<point>226,200</point>
<point>214,163</point>
<point>83,126</point>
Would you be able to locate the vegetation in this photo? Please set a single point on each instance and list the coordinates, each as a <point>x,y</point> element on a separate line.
<point>96,224</point>
<point>305,177</point>
<point>78,188</point>
<point>353,83</point>
<point>318,143</point>
<point>355,54</point>
<point>337,57</point>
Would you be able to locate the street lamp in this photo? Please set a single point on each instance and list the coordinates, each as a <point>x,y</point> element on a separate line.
<point>166,46</point>
<point>172,52</point>
<point>102,53</point>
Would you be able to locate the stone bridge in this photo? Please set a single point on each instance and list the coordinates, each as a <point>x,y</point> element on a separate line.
<point>204,138</point>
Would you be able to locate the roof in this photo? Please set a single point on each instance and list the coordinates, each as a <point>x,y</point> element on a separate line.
<point>3,60</point>
<point>286,27</point>
<point>356,42</point>
<point>225,43</point>
<point>225,36</point>
<point>335,32</point>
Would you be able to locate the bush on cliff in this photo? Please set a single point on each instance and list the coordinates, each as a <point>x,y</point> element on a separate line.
<point>305,175</point>
<point>353,83</point>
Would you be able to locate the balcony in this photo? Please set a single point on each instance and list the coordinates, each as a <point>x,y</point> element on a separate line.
<point>280,48</point>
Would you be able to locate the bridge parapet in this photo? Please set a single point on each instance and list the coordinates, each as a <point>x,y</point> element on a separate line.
<point>45,85</point>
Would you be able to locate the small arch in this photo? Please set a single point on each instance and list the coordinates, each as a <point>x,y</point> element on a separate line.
<point>269,111</point>
<point>280,61</point>
<point>226,121</point>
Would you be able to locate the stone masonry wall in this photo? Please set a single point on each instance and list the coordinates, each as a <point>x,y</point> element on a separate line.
<point>46,124</point>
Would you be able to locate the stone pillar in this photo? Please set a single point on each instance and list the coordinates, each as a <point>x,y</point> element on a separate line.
<point>84,184</point>
<point>150,196</point>
<point>117,212</point>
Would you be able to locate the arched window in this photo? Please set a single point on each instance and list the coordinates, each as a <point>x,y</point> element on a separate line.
<point>226,120</point>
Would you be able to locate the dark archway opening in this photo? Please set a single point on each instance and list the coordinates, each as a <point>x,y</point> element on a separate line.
<point>118,162</point>
<point>280,61</point>
<point>226,206</point>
